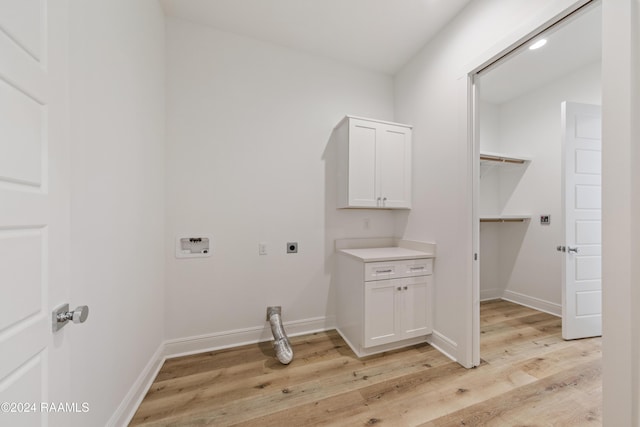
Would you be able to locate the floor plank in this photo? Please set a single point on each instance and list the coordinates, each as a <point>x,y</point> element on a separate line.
<point>529,376</point>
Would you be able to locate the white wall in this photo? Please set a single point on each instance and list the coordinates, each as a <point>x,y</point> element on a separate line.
<point>426,91</point>
<point>109,132</point>
<point>620,212</point>
<point>530,126</point>
<point>491,285</point>
<point>248,161</point>
<point>431,93</point>
<point>117,211</point>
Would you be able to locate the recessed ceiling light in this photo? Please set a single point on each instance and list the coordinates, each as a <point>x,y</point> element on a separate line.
<point>538,44</point>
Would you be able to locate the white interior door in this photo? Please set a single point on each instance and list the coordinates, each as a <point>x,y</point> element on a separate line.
<point>34,211</point>
<point>582,287</point>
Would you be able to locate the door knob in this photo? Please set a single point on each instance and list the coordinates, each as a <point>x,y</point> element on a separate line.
<point>79,315</point>
<point>561,248</point>
<point>61,315</point>
<point>572,249</point>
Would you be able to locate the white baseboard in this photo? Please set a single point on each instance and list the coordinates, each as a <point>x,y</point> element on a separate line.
<point>364,352</point>
<point>443,344</point>
<point>129,405</point>
<point>489,294</point>
<point>227,339</point>
<point>532,302</point>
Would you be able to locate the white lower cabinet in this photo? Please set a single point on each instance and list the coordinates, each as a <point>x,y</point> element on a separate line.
<point>396,309</point>
<point>383,305</point>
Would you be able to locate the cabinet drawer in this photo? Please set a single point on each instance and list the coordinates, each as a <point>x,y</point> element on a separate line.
<point>398,269</point>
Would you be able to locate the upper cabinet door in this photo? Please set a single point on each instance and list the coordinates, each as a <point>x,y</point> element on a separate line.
<point>363,138</point>
<point>394,166</point>
<point>374,165</point>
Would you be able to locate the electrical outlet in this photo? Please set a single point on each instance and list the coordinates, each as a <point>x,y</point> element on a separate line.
<point>292,247</point>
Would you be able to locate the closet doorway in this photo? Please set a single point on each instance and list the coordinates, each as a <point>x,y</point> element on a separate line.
<point>537,202</point>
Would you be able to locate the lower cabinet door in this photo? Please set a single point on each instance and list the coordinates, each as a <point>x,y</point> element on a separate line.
<point>415,313</point>
<point>397,309</point>
<point>381,317</point>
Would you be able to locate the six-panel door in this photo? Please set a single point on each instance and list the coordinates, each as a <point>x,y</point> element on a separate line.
<point>34,218</point>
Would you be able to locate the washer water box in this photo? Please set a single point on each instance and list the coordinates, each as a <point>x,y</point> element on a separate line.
<point>197,246</point>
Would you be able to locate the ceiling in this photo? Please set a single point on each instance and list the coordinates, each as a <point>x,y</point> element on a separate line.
<point>571,45</point>
<point>374,34</point>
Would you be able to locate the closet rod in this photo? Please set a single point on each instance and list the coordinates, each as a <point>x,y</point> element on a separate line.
<point>502,219</point>
<point>501,159</point>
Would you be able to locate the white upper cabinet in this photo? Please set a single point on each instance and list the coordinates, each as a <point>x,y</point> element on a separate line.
<point>374,164</point>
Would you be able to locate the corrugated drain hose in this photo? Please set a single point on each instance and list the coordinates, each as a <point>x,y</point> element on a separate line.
<point>281,343</point>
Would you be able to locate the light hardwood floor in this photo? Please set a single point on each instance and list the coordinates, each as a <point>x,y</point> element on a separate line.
<point>529,376</point>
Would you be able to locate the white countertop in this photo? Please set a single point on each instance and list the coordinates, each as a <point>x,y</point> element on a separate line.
<point>385,254</point>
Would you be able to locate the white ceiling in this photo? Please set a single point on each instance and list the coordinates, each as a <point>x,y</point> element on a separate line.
<point>380,35</point>
<point>572,45</point>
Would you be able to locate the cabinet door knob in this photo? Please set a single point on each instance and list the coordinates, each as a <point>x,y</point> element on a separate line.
<point>405,288</point>
<point>399,288</point>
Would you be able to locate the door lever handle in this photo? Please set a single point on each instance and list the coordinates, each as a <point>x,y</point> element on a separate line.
<point>572,249</point>
<point>61,315</point>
